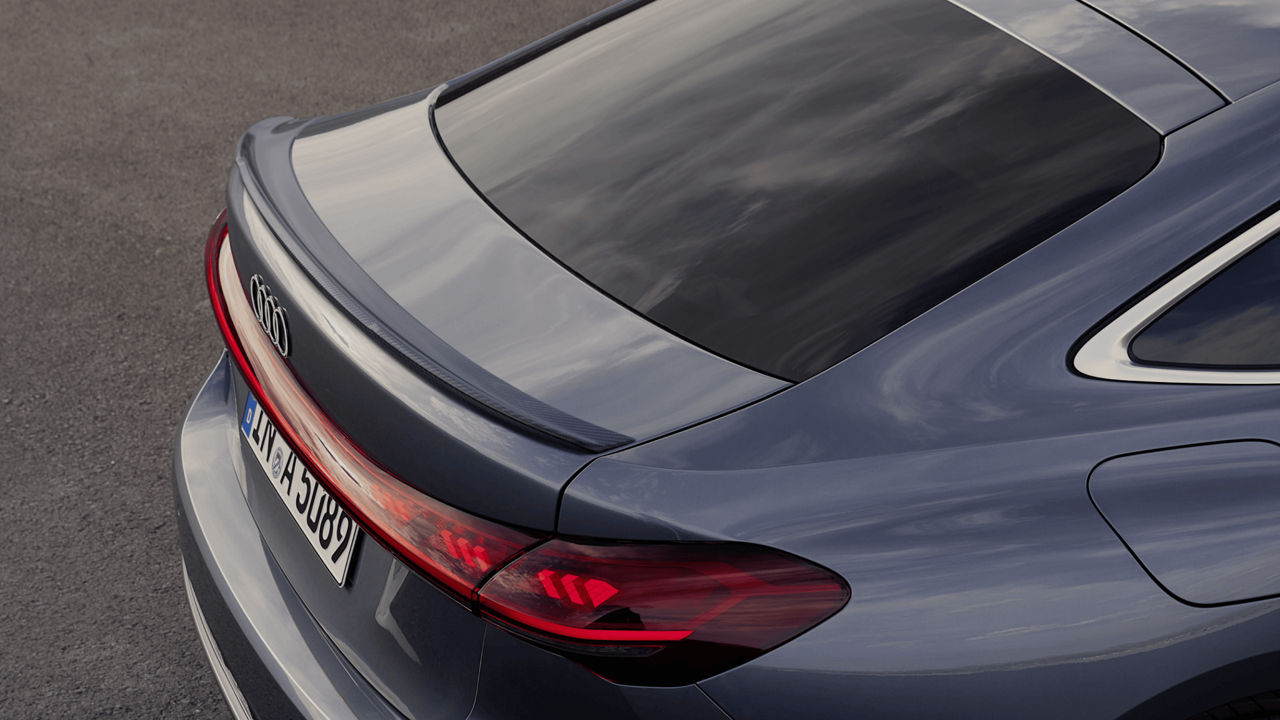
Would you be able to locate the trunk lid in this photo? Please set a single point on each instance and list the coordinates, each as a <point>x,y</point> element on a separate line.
<point>489,306</point>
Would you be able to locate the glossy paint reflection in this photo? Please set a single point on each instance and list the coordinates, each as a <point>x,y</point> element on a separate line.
<point>1234,43</point>
<point>230,566</point>
<point>1133,72</point>
<point>786,181</point>
<point>1201,519</point>
<point>391,411</point>
<point>395,203</point>
<point>943,472</point>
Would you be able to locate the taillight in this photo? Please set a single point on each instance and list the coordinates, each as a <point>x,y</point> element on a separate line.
<point>660,614</point>
<point>642,613</point>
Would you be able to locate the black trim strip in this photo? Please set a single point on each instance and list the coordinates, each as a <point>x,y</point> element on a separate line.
<point>535,49</point>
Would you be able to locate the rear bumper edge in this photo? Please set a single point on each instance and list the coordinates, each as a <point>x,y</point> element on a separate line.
<point>231,691</point>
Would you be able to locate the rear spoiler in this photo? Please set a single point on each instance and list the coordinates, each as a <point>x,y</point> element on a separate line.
<point>263,159</point>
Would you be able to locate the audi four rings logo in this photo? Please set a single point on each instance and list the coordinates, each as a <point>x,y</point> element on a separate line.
<point>270,315</point>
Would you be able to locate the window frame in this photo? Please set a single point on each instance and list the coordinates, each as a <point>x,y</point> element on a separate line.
<point>1106,355</point>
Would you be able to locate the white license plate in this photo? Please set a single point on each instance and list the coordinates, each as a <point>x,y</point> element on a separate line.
<point>328,527</point>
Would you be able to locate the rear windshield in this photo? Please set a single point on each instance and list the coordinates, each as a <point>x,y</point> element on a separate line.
<point>784,182</point>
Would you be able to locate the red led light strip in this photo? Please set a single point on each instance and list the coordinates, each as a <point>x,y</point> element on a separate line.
<point>469,556</point>
<point>411,524</point>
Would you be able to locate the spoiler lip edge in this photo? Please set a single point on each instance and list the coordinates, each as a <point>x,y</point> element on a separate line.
<point>440,363</point>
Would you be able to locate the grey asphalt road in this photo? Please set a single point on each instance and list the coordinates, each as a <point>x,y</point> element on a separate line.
<point>117,126</point>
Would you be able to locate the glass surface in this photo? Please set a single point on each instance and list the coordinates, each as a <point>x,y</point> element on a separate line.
<point>1232,320</point>
<point>786,181</point>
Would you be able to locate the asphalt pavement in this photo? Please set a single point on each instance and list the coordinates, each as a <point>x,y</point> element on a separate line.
<point>118,122</point>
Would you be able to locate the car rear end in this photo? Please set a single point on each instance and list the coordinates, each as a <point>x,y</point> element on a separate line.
<point>328,585</point>
<point>368,530</point>
<point>435,323</point>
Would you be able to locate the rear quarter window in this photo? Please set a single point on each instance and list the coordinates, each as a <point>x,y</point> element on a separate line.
<point>1231,321</point>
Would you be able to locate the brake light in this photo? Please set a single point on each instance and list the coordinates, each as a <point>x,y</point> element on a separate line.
<point>660,614</point>
<point>642,613</point>
<point>574,589</point>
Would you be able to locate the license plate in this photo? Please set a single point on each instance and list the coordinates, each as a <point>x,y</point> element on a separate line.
<point>328,527</point>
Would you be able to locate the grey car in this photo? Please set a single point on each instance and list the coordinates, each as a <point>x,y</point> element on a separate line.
<point>759,359</point>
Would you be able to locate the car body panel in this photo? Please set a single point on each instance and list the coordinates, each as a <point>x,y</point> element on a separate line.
<point>1132,71</point>
<point>1201,519</point>
<point>1235,45</point>
<point>282,662</point>
<point>476,461</point>
<point>942,471</point>
<point>287,662</point>
<point>387,191</point>
<point>520,680</point>
<point>265,169</point>
<point>416,646</point>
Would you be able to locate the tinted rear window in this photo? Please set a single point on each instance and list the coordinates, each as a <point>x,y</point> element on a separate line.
<point>785,181</point>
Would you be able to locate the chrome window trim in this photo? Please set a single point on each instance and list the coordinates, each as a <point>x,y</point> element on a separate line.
<point>1106,354</point>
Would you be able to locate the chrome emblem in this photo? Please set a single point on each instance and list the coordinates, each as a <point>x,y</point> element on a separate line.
<point>270,315</point>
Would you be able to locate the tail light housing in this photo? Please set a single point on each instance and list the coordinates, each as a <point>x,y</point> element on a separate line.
<point>636,613</point>
<point>660,613</point>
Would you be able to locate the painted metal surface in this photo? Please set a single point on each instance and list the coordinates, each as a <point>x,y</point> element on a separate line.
<point>1234,44</point>
<point>392,411</point>
<point>943,472</point>
<point>1200,519</point>
<point>1132,71</point>
<point>268,623</point>
<point>226,682</point>
<point>282,663</point>
<point>265,169</point>
<point>389,194</point>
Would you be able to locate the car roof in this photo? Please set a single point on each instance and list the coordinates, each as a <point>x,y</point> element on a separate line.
<point>1233,44</point>
<point>1134,72</point>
